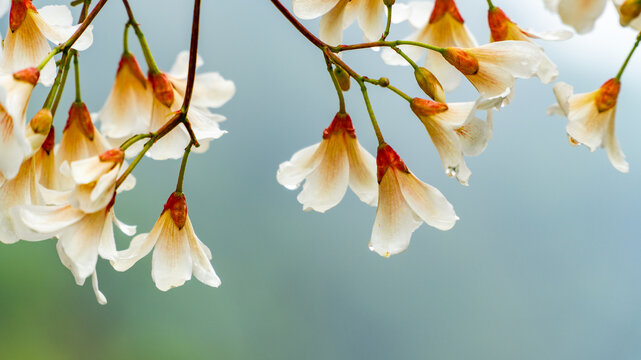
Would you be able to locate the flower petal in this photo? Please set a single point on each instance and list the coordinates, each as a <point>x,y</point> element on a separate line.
<point>171,261</point>
<point>427,202</point>
<point>362,172</point>
<point>311,9</point>
<point>291,173</point>
<point>202,269</point>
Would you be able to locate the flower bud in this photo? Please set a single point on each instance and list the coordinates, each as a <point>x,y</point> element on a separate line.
<point>177,207</point>
<point>115,155</point>
<point>41,122</point>
<point>607,95</point>
<point>429,84</point>
<point>629,10</point>
<point>383,82</point>
<point>463,61</point>
<point>498,23</point>
<point>163,90</point>
<point>424,107</point>
<point>389,2</point>
<point>30,75</point>
<point>18,13</point>
<point>79,116</point>
<point>344,80</point>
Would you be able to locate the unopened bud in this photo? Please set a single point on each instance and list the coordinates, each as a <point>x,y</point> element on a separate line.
<point>606,99</point>
<point>344,80</point>
<point>163,90</point>
<point>629,10</point>
<point>50,141</point>
<point>30,75</point>
<point>424,107</point>
<point>177,207</point>
<point>429,84</point>
<point>465,62</point>
<point>41,122</point>
<point>498,22</point>
<point>79,116</point>
<point>383,82</point>
<point>389,2</point>
<point>18,13</point>
<point>112,155</point>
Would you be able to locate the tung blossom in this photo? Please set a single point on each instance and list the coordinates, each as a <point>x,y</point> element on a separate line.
<point>580,14</point>
<point>329,167</point>
<point>445,27</point>
<point>337,15</point>
<point>591,118</point>
<point>177,250</point>
<point>211,90</point>
<point>404,202</point>
<point>29,29</point>
<point>502,28</point>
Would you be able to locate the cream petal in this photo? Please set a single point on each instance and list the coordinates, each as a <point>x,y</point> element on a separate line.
<point>331,24</point>
<point>81,243</point>
<point>88,170</point>
<point>180,68</point>
<point>66,261</point>
<point>371,19</point>
<point>205,124</point>
<point>447,75</point>
<point>580,14</point>
<point>171,261</point>
<point>427,202</point>
<point>53,197</point>
<point>325,187</point>
<point>212,90</point>
<point>55,22</point>
<point>105,186</point>
<point>362,172</point>
<point>474,136</point>
<point>520,58</point>
<point>171,146</point>
<point>202,268</point>
<point>25,47</point>
<point>548,71</point>
<point>557,35</point>
<point>395,220</point>
<point>107,245</point>
<point>100,297</point>
<point>613,149</point>
<point>563,93</point>
<point>311,9</point>
<point>586,125</point>
<point>129,230</point>
<point>49,220</point>
<point>127,110</point>
<point>140,246</point>
<point>291,173</point>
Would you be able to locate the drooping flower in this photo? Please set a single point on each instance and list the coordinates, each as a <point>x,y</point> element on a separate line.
<point>629,11</point>
<point>591,118</point>
<point>337,15</point>
<point>502,28</point>
<point>445,27</point>
<point>329,167</point>
<point>492,68</point>
<point>580,14</point>
<point>15,91</point>
<point>81,237</point>
<point>127,110</point>
<point>177,250</point>
<point>455,132</point>
<point>26,43</point>
<point>404,202</point>
<point>211,90</point>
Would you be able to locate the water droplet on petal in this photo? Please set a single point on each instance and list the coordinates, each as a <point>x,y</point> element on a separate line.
<point>451,172</point>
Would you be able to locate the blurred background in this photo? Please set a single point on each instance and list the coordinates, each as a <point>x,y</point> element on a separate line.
<point>544,263</point>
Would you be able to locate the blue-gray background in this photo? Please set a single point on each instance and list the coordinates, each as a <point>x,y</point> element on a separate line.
<point>544,263</point>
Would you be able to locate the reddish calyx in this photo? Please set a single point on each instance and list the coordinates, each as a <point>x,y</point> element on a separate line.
<point>499,24</point>
<point>177,207</point>
<point>50,141</point>
<point>442,7</point>
<point>112,155</point>
<point>463,61</point>
<point>386,157</point>
<point>79,116</point>
<point>342,122</point>
<point>424,107</point>
<point>30,75</point>
<point>19,9</point>
<point>163,90</point>
<point>129,62</point>
<point>607,96</point>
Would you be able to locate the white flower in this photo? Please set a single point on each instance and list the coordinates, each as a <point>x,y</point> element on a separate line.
<point>15,91</point>
<point>591,118</point>
<point>580,14</point>
<point>404,202</point>
<point>329,167</point>
<point>455,132</point>
<point>29,29</point>
<point>337,15</point>
<point>21,190</point>
<point>443,28</point>
<point>502,28</point>
<point>178,252</point>
<point>210,91</point>
<point>127,110</point>
<point>492,68</point>
<point>81,237</point>
<point>629,11</point>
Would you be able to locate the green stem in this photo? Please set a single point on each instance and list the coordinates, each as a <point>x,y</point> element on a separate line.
<point>489,3</point>
<point>407,58</point>
<point>125,39</point>
<point>149,59</point>
<point>389,23</point>
<point>134,163</point>
<point>63,82</point>
<point>627,60</point>
<point>340,48</point>
<point>370,111</point>
<point>56,83</point>
<point>134,139</point>
<point>183,166</point>
<point>76,68</point>
<point>400,93</point>
<point>339,91</point>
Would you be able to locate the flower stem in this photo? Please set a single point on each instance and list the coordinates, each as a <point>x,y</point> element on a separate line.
<point>134,163</point>
<point>627,60</point>
<point>183,166</point>
<point>400,93</point>
<point>388,24</point>
<point>66,59</point>
<point>76,68</point>
<point>370,111</point>
<point>339,91</point>
<point>489,3</point>
<point>125,39</point>
<point>341,48</point>
<point>149,59</point>
<point>193,55</point>
<point>134,139</point>
<point>300,27</point>
<point>60,77</point>
<point>407,58</point>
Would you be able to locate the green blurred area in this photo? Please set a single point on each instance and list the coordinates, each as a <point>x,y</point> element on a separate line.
<point>544,263</point>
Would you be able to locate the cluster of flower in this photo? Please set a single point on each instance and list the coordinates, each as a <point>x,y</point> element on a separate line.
<point>68,190</point>
<point>403,201</point>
